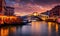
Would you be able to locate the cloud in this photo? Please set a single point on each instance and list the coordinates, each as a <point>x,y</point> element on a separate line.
<point>40,1</point>
<point>29,6</point>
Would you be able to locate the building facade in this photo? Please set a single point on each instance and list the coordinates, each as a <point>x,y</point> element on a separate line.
<point>2,5</point>
<point>55,11</point>
<point>9,11</point>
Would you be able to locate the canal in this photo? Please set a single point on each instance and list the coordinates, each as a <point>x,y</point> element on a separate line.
<point>33,29</point>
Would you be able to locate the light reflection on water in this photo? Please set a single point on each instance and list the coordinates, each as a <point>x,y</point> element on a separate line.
<point>35,29</point>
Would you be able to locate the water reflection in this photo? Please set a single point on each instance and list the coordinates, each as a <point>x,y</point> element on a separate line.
<point>39,28</point>
<point>57,28</point>
<point>53,29</point>
<point>35,29</point>
<point>5,31</point>
<point>49,28</point>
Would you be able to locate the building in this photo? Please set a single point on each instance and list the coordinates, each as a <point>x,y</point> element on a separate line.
<point>9,11</point>
<point>46,13</point>
<point>55,11</point>
<point>2,5</point>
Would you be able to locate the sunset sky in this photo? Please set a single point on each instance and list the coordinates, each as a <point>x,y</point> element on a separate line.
<point>23,7</point>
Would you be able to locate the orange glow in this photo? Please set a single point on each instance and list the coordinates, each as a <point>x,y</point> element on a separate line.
<point>13,29</point>
<point>8,19</point>
<point>35,14</point>
<point>49,28</point>
<point>56,27</point>
<point>4,32</point>
<point>20,14</point>
<point>1,19</point>
<point>35,27</point>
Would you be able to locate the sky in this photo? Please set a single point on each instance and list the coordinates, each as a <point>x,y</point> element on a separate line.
<point>24,7</point>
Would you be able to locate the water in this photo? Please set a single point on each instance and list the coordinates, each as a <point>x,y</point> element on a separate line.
<point>34,29</point>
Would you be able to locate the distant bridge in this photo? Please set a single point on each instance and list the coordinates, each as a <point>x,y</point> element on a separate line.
<point>38,17</point>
